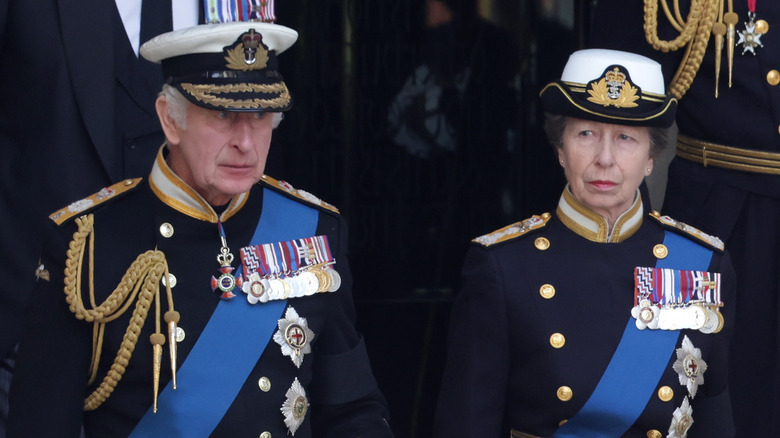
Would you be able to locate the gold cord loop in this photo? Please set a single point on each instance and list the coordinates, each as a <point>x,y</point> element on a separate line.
<point>694,33</point>
<point>141,281</point>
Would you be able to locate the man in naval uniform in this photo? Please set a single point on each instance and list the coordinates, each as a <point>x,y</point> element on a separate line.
<point>725,178</point>
<point>207,299</point>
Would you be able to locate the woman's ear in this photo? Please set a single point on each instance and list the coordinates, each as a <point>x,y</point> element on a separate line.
<point>169,126</point>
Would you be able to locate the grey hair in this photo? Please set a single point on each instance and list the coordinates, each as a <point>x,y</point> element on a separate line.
<point>555,125</point>
<point>178,105</point>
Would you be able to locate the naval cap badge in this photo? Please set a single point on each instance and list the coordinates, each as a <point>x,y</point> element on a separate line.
<point>249,53</point>
<point>294,336</point>
<point>614,88</point>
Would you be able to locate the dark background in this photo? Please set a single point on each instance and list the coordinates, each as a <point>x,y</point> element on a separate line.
<point>412,214</point>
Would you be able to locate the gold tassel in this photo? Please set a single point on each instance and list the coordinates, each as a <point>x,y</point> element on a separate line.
<point>157,339</point>
<point>172,318</point>
<point>719,30</point>
<point>731,19</point>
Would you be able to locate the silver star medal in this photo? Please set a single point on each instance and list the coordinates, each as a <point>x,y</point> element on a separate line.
<point>682,420</point>
<point>690,367</point>
<point>749,38</point>
<point>294,336</point>
<point>294,407</point>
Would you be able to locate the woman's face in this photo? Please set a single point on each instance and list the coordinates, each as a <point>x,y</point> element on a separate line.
<point>604,164</point>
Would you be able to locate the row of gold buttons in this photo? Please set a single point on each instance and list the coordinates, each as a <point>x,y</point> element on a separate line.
<point>264,383</point>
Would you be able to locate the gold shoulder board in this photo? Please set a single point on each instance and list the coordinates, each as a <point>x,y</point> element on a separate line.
<point>514,231</point>
<point>63,214</point>
<point>305,196</point>
<point>684,228</point>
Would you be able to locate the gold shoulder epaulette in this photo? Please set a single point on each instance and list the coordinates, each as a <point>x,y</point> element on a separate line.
<point>63,214</point>
<point>286,187</point>
<point>697,234</point>
<point>514,231</point>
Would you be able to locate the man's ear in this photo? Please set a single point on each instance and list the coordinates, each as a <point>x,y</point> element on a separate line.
<point>169,126</point>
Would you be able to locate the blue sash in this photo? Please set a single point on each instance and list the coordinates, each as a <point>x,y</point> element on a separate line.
<point>221,359</point>
<point>630,380</point>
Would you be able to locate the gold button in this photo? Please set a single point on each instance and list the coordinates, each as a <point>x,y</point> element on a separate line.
<point>264,383</point>
<point>180,334</point>
<point>762,26</point>
<point>562,423</point>
<point>166,230</point>
<point>665,393</point>
<point>265,435</point>
<point>660,251</point>
<point>778,129</point>
<point>171,279</point>
<point>557,340</point>
<point>773,77</point>
<point>128,182</point>
<point>654,434</point>
<point>564,393</point>
<point>541,243</point>
<point>547,291</point>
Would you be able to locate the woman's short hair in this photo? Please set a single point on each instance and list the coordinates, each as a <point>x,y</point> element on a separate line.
<point>178,104</point>
<point>555,125</point>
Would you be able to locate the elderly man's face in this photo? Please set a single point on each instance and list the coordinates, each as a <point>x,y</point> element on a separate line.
<point>604,164</point>
<point>220,154</point>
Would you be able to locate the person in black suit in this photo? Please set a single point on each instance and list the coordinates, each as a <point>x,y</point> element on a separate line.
<point>76,114</point>
<point>604,318</point>
<point>725,177</point>
<point>242,278</point>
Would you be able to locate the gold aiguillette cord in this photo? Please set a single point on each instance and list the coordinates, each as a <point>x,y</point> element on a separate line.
<point>140,285</point>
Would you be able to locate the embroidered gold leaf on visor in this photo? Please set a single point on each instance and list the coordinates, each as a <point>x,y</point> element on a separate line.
<point>209,94</point>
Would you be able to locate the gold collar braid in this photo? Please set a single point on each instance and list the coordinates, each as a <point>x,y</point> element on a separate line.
<point>141,281</point>
<point>694,32</point>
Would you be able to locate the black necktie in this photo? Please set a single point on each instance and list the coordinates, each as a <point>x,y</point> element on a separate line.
<point>156,18</point>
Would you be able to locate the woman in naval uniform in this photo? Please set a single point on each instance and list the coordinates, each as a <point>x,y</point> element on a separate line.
<point>604,318</point>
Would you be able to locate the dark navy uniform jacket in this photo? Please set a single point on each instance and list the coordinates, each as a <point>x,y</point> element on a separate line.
<point>51,379</point>
<point>539,318</point>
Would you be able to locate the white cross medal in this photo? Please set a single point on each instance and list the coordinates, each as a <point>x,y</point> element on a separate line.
<point>750,38</point>
<point>294,336</point>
